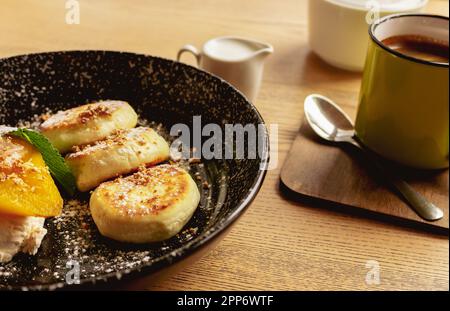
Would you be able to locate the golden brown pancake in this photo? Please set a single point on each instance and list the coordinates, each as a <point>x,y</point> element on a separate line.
<point>151,205</point>
<point>119,154</point>
<point>88,123</point>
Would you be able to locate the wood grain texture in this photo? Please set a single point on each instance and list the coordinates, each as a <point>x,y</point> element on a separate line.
<point>278,243</point>
<point>341,174</point>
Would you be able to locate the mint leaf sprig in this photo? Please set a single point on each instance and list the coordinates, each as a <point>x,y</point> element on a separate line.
<point>52,158</point>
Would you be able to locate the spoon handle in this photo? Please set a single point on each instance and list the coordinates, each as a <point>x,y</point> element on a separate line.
<point>419,204</point>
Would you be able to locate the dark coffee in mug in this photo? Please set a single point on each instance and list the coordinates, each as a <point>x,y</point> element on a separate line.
<point>421,47</point>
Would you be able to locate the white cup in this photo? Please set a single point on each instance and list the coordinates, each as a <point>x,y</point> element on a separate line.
<point>338,29</point>
<point>237,60</point>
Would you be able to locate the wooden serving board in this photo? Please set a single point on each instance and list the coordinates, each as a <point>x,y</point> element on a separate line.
<point>340,175</point>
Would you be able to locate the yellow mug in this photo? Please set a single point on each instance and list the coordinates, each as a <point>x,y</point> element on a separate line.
<point>403,111</point>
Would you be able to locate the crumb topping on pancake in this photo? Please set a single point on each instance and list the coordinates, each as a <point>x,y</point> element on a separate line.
<point>149,191</point>
<point>117,138</point>
<point>81,115</point>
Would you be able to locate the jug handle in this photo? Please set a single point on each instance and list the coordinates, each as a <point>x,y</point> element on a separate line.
<point>191,49</point>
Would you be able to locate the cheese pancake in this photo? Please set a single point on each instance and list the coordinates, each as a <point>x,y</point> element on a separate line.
<point>87,124</point>
<point>119,154</point>
<point>151,205</point>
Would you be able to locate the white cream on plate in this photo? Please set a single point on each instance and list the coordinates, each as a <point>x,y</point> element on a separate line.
<point>20,234</point>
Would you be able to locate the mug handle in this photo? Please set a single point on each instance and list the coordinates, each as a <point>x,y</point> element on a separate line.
<point>191,49</point>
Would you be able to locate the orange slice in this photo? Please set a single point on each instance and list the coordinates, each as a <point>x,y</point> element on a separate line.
<point>26,186</point>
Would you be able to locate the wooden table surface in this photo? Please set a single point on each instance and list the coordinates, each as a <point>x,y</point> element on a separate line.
<point>277,244</point>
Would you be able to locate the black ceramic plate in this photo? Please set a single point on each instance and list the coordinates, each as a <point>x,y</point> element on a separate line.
<point>161,91</point>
